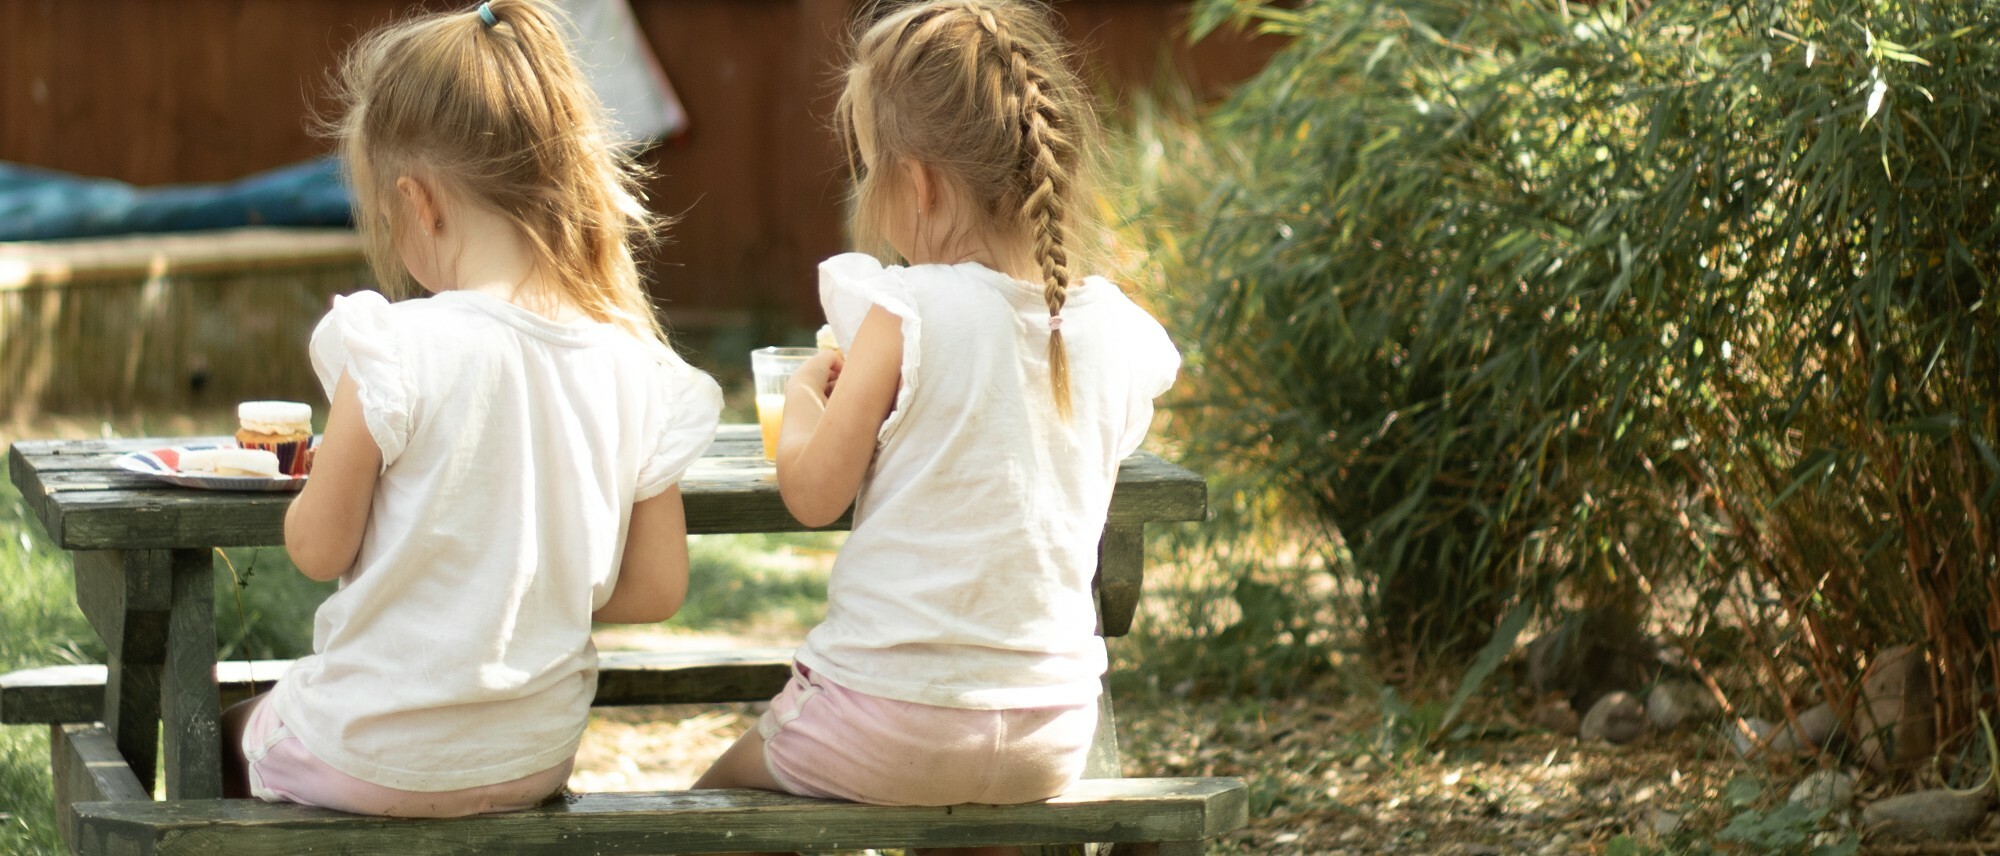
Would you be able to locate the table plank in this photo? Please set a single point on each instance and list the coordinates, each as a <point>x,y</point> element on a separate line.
<point>85,503</point>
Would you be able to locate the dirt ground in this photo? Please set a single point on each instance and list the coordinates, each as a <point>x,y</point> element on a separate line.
<point>1324,778</point>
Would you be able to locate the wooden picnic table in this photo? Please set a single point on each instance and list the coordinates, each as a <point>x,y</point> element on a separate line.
<point>144,568</point>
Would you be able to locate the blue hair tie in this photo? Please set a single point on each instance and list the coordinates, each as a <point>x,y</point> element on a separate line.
<point>486,15</point>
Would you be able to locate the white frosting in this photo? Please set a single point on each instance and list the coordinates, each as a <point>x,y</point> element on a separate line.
<point>275,417</point>
<point>825,338</point>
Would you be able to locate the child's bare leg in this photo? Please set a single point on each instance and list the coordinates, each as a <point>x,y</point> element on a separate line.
<point>236,768</point>
<point>742,766</point>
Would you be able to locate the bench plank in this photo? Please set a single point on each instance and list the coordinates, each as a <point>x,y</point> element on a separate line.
<point>1106,810</point>
<point>76,693</point>
<point>87,768</point>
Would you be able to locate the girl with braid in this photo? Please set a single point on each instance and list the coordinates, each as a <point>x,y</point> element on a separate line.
<point>974,415</point>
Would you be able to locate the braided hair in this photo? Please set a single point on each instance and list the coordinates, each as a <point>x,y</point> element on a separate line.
<point>980,91</point>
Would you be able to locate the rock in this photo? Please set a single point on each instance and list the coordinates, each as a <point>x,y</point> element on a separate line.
<point>1745,746</point>
<point>1894,718</point>
<point>1615,718</point>
<point>1674,702</point>
<point>1814,730</point>
<point>1938,815</point>
<point>1557,845</point>
<point>1590,653</point>
<point>1665,823</point>
<point>1555,714</point>
<point>1817,725</point>
<point>1824,790</point>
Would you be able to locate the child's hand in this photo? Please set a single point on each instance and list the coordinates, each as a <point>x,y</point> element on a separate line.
<point>819,374</point>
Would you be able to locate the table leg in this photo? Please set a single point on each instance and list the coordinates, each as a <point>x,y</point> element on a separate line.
<point>155,610</point>
<point>1105,762</point>
<point>189,703</point>
<point>1121,554</point>
<point>125,596</point>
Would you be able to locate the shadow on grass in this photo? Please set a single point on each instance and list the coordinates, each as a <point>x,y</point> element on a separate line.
<point>739,582</point>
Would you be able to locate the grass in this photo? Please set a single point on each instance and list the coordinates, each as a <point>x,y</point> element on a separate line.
<point>747,582</point>
<point>39,625</point>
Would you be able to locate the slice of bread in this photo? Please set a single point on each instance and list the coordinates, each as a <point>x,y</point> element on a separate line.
<point>258,463</point>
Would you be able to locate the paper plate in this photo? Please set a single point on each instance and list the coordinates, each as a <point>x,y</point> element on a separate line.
<point>164,464</point>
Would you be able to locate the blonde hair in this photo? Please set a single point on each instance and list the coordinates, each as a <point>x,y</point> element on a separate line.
<point>498,115</point>
<point>979,91</point>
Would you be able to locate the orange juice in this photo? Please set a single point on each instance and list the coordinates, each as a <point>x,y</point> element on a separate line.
<point>770,415</point>
<point>771,368</point>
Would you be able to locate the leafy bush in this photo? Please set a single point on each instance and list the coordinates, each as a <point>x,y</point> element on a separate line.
<point>1519,299</point>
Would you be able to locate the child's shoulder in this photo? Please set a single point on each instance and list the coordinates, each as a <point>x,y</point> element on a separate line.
<point>372,309</point>
<point>863,274</point>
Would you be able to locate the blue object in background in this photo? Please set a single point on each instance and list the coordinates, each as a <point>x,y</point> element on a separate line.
<point>40,204</point>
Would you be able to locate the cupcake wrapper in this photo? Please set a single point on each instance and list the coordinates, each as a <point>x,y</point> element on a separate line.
<point>294,458</point>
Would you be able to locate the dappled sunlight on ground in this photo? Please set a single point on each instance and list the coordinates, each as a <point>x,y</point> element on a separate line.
<point>1321,781</point>
<point>655,748</point>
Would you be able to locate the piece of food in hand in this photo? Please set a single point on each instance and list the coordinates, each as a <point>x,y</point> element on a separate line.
<point>260,463</point>
<point>825,338</point>
<point>283,428</point>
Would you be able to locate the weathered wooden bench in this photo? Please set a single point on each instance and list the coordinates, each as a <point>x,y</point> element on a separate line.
<point>1170,817</point>
<point>75,694</point>
<point>106,810</point>
<point>144,580</point>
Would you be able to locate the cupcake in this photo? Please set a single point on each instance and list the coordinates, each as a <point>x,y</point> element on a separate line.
<point>825,340</point>
<point>283,428</point>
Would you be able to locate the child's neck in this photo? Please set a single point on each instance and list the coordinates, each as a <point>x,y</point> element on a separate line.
<point>495,259</point>
<point>1014,257</point>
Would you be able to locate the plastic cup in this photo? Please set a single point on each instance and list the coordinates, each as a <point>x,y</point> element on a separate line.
<point>773,368</point>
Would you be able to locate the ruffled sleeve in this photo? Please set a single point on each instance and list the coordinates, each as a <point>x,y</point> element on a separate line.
<point>688,408</point>
<point>358,337</point>
<point>1156,365</point>
<point>851,283</point>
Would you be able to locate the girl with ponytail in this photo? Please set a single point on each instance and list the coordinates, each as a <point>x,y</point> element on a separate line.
<point>975,414</point>
<point>501,459</point>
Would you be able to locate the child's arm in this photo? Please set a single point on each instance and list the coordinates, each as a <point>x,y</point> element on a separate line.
<point>826,443</point>
<point>323,527</point>
<point>653,576</point>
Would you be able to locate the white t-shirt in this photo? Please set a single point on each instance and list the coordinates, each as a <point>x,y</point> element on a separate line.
<point>966,580</point>
<point>457,651</point>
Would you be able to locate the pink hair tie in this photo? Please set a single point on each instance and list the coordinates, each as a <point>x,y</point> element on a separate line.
<point>1055,323</point>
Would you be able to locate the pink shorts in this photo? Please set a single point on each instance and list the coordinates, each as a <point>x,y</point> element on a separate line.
<point>281,770</point>
<point>824,740</point>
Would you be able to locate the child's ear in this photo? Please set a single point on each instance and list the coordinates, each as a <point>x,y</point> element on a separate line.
<point>422,201</point>
<point>923,184</point>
